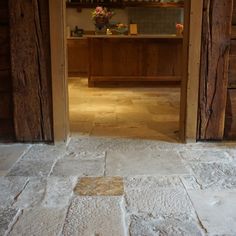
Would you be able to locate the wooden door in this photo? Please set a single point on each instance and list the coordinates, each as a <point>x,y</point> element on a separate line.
<point>6,105</point>
<point>230,117</point>
<point>31,70</point>
<point>216,30</point>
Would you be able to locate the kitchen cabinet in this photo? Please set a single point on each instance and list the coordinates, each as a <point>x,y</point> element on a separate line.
<point>77,57</point>
<point>141,58</point>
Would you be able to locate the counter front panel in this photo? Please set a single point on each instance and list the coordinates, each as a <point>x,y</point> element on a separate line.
<point>135,59</point>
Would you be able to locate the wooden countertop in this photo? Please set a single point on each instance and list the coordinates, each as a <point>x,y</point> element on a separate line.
<point>139,36</point>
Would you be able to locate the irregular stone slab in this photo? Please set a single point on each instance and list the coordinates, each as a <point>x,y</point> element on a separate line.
<point>39,221</point>
<point>215,175</point>
<point>59,192</point>
<point>95,216</point>
<point>143,226</point>
<point>205,155</point>
<point>51,192</point>
<point>33,193</point>
<point>79,168</point>
<point>232,153</point>
<point>9,154</point>
<point>145,162</point>
<point>31,168</point>
<point>100,186</point>
<point>157,196</point>
<point>7,216</point>
<point>44,152</point>
<point>98,144</point>
<point>10,189</point>
<point>75,155</point>
<point>190,182</point>
<point>216,210</point>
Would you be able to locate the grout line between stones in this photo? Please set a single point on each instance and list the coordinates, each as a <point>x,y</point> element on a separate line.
<point>14,221</point>
<point>105,164</point>
<point>198,218</point>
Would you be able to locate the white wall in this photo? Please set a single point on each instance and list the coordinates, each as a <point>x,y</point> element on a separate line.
<point>83,19</point>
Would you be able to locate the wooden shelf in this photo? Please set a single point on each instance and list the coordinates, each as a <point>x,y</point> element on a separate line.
<point>124,4</point>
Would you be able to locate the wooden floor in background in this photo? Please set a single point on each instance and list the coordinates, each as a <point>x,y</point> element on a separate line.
<point>145,113</point>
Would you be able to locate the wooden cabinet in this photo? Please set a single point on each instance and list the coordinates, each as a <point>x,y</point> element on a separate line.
<point>135,59</point>
<point>78,57</point>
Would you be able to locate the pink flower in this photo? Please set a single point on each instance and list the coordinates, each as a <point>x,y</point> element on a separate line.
<point>99,9</point>
<point>179,26</point>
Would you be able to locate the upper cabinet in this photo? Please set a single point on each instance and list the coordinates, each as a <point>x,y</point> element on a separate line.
<point>123,3</point>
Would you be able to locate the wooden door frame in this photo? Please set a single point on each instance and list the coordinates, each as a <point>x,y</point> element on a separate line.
<point>57,12</point>
<point>189,85</point>
<point>191,72</point>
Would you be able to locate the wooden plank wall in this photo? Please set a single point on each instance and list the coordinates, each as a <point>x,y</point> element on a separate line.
<point>216,29</point>
<point>6,112</point>
<point>230,118</point>
<point>31,70</point>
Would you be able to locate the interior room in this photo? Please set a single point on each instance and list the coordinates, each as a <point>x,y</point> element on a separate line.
<point>125,66</point>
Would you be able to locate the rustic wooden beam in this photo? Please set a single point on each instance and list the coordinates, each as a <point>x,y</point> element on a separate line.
<point>31,70</point>
<point>6,104</point>
<point>216,30</point>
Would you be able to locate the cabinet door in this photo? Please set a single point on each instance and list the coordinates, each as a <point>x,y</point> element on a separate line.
<point>78,57</point>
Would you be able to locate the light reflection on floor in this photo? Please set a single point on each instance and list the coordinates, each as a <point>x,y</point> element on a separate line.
<point>146,113</point>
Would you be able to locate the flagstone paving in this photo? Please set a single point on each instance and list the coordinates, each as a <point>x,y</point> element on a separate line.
<point>115,186</point>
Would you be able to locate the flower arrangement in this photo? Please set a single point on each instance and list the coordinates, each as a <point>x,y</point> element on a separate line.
<point>101,16</point>
<point>179,29</point>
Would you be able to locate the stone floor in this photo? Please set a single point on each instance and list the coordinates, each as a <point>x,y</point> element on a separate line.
<point>147,113</point>
<point>98,186</point>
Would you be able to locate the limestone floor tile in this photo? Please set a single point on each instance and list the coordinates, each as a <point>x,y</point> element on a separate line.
<point>58,192</point>
<point>90,144</point>
<point>33,193</point>
<point>51,192</point>
<point>205,155</point>
<point>216,210</point>
<point>131,130</point>
<point>74,153</point>
<point>76,116</point>
<point>157,196</point>
<point>10,188</point>
<point>81,127</point>
<point>169,226</point>
<point>144,162</point>
<point>40,168</point>
<point>79,168</point>
<point>39,221</point>
<point>108,118</point>
<point>100,186</point>
<point>190,182</point>
<point>45,152</point>
<point>7,218</point>
<point>9,154</point>
<point>110,108</point>
<point>215,175</point>
<point>95,216</point>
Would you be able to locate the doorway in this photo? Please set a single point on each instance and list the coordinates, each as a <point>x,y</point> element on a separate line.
<point>117,104</point>
<point>187,110</point>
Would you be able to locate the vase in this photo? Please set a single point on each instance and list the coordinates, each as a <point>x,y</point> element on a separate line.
<point>100,29</point>
<point>101,24</point>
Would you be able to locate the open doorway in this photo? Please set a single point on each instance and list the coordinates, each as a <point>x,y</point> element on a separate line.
<point>122,85</point>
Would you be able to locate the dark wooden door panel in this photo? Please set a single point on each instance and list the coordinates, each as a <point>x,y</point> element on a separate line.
<point>6,104</point>
<point>216,34</point>
<point>30,47</point>
<point>230,117</point>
